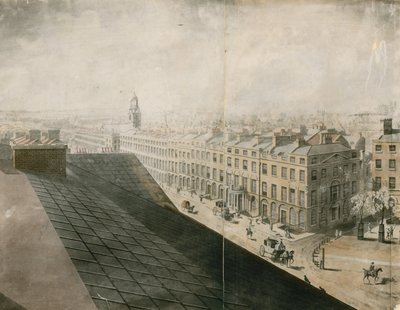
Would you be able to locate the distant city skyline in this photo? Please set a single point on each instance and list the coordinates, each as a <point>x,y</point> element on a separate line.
<point>285,57</point>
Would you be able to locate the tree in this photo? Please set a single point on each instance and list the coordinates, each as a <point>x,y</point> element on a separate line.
<point>380,201</point>
<point>361,205</point>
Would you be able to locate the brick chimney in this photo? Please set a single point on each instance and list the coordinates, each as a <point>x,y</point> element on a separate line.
<point>54,134</point>
<point>387,126</point>
<point>34,134</point>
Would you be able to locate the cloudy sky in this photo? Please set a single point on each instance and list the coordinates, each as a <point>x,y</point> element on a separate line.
<point>242,56</point>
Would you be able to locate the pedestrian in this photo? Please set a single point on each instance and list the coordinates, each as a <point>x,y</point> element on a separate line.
<point>369,227</point>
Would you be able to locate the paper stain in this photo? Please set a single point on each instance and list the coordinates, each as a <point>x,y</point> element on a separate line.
<point>10,212</point>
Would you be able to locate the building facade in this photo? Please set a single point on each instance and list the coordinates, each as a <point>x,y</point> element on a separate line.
<point>385,161</point>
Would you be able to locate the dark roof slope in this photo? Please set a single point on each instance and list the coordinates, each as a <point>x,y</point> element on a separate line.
<point>120,260</point>
<point>207,262</point>
<point>123,170</point>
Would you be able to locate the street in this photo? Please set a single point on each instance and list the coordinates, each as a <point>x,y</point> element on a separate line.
<point>345,257</point>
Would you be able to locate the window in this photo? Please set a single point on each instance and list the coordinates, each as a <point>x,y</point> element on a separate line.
<point>292,174</point>
<point>244,183</point>
<point>245,152</point>
<point>324,197</point>
<point>314,160</point>
<point>392,148</point>
<point>378,163</point>
<point>208,155</point>
<point>264,188</point>
<point>254,154</point>
<point>302,161</point>
<point>333,214</point>
<point>345,189</point>
<point>229,161</point>
<point>377,183</point>
<point>221,159</point>
<point>253,186</point>
<point>313,198</point>
<point>253,166</point>
<point>228,179</point>
<point>283,193</point>
<point>313,175</point>
<point>208,172</point>
<point>236,180</point>
<point>378,148</point>
<point>354,168</point>
<point>244,164</point>
<point>335,171</point>
<point>221,175</point>
<point>284,172</point>
<point>392,182</point>
<point>214,157</point>
<point>334,192</point>
<point>353,187</point>
<point>313,216</point>
<point>354,155</point>
<point>264,168</point>
<point>302,175</point>
<point>214,174</point>
<point>292,159</point>
<point>237,151</point>
<point>292,194</point>
<point>302,199</point>
<point>323,173</point>
<point>229,150</point>
<point>273,170</point>
<point>237,163</point>
<point>392,163</point>
<point>273,191</point>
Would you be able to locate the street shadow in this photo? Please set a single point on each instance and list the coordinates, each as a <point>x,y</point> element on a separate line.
<point>332,269</point>
<point>385,281</point>
<point>297,267</point>
<point>369,239</point>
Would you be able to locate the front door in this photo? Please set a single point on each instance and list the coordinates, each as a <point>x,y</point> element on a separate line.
<point>283,217</point>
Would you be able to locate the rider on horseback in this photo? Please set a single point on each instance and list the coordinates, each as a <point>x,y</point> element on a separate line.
<point>372,267</point>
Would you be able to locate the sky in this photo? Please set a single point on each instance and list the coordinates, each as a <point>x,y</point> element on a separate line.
<point>179,55</point>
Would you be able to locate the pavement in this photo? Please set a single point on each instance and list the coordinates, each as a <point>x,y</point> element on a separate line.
<point>345,257</point>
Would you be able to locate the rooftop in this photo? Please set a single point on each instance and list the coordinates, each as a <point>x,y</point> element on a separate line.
<point>130,248</point>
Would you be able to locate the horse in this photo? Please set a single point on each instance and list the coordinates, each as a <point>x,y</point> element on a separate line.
<point>372,273</point>
<point>287,258</point>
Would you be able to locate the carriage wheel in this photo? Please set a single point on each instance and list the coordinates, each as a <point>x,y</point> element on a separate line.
<point>262,250</point>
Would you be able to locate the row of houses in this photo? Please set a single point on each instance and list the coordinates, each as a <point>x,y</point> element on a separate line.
<point>300,178</point>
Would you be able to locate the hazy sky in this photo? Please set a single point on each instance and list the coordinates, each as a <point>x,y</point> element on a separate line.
<point>245,56</point>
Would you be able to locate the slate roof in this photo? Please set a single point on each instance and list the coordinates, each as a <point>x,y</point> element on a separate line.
<point>133,254</point>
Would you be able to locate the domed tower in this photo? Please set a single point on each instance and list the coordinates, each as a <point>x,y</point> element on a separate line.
<point>134,112</point>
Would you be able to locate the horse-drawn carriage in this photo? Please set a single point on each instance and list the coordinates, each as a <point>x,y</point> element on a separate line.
<point>186,206</point>
<point>277,251</point>
<point>222,210</point>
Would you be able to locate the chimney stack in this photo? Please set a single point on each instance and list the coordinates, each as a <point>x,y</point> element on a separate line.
<point>54,134</point>
<point>34,134</point>
<point>387,126</point>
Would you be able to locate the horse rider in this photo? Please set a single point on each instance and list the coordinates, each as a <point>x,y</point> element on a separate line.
<point>372,267</point>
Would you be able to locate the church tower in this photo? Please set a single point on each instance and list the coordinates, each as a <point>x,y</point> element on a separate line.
<point>134,112</point>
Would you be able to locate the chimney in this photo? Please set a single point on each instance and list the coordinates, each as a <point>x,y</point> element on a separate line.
<point>387,126</point>
<point>54,134</point>
<point>34,134</point>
